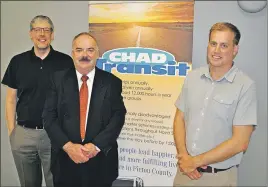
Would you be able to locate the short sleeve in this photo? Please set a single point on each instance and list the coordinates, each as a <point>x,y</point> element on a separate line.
<point>246,111</point>
<point>9,78</point>
<point>181,100</point>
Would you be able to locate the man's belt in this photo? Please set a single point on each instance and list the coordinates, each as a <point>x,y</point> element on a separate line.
<point>31,125</point>
<point>210,169</point>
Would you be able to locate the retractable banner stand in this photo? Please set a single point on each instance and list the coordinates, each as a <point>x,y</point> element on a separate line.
<point>148,44</point>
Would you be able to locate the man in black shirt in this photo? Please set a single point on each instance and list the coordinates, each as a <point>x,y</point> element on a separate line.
<point>27,79</point>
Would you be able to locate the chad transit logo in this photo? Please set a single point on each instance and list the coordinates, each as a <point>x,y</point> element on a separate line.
<point>146,61</point>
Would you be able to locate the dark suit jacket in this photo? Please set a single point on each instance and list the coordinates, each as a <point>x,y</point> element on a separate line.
<point>106,117</point>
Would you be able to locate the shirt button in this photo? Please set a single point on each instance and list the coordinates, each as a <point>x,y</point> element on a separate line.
<point>202,113</point>
<point>206,98</point>
<point>212,83</point>
<point>198,129</point>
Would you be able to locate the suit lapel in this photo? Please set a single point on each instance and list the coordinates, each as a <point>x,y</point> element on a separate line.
<point>71,98</point>
<point>97,96</point>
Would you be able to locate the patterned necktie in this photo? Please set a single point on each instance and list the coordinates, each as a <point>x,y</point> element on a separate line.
<point>83,105</point>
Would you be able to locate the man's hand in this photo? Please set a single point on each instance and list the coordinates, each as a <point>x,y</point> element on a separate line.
<point>188,166</point>
<point>75,152</point>
<point>11,101</point>
<point>92,151</point>
<point>194,175</point>
<point>186,163</point>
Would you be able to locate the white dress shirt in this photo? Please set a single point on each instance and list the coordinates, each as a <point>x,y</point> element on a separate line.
<point>90,81</point>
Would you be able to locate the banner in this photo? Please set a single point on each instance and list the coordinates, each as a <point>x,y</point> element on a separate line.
<point>148,44</point>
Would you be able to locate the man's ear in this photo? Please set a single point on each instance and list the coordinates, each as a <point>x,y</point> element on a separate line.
<point>52,36</point>
<point>236,49</point>
<point>30,35</point>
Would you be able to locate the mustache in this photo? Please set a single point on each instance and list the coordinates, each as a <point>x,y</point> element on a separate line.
<point>85,59</point>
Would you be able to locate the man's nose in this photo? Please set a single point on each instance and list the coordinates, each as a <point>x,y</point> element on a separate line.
<point>217,49</point>
<point>42,32</point>
<point>84,52</point>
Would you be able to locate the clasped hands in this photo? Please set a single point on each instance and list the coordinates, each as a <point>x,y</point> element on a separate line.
<point>81,153</point>
<point>188,165</point>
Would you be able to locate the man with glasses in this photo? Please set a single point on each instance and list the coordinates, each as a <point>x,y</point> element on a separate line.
<point>26,79</point>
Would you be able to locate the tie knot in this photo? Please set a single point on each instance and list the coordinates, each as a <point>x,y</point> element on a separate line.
<point>84,78</point>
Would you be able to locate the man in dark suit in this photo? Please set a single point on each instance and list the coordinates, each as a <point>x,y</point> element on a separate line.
<point>83,116</point>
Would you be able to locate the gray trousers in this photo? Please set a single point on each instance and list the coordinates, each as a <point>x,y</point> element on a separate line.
<point>31,150</point>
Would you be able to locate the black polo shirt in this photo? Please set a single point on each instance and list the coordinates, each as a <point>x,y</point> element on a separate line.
<point>29,74</point>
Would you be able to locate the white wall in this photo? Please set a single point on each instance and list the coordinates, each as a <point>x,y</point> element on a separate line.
<point>70,18</point>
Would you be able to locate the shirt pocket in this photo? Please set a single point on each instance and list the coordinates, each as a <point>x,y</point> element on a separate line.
<point>222,106</point>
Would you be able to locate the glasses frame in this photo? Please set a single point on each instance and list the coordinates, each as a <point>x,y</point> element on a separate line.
<point>45,30</point>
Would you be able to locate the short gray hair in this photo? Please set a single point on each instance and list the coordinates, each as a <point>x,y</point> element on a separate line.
<point>42,18</point>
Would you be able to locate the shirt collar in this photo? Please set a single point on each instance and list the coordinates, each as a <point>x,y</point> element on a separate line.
<point>229,76</point>
<point>90,75</point>
<point>49,55</point>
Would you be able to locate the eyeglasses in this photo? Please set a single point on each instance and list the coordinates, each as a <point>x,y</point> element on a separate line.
<point>39,30</point>
<point>81,50</point>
